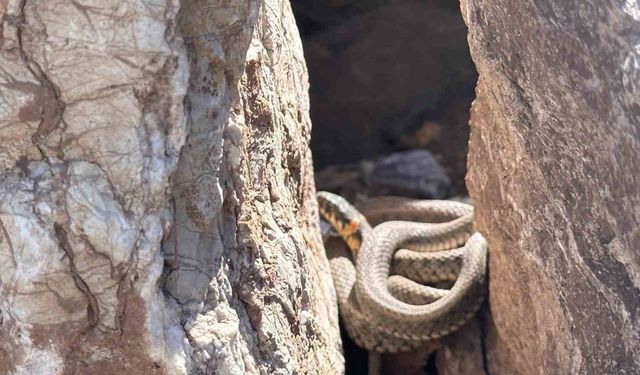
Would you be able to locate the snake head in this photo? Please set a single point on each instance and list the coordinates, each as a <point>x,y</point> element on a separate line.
<point>343,217</point>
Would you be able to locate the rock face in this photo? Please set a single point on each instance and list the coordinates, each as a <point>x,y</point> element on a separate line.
<point>553,171</point>
<point>157,202</point>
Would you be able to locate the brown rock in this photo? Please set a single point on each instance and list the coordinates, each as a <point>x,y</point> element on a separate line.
<point>462,352</point>
<point>553,171</point>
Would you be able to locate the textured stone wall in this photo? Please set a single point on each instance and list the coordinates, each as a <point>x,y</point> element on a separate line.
<point>157,210</point>
<point>553,171</point>
<point>245,259</point>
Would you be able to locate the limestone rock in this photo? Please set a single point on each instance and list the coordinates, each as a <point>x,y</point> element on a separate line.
<point>157,207</point>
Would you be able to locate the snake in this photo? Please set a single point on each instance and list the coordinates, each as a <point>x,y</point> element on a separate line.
<point>406,271</point>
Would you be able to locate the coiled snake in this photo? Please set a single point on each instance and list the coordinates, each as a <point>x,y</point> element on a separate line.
<point>384,305</point>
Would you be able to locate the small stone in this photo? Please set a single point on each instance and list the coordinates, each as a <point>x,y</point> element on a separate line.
<point>414,173</point>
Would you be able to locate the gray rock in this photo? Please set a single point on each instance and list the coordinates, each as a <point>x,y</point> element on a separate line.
<point>414,173</point>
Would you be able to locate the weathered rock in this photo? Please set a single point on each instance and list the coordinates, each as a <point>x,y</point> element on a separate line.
<point>248,244</point>
<point>125,127</point>
<point>414,173</point>
<point>91,126</point>
<point>553,171</point>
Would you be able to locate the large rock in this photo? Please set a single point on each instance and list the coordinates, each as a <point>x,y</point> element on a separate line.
<point>157,206</point>
<point>414,173</point>
<point>553,171</point>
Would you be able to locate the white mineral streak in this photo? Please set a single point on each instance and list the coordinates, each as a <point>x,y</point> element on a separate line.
<point>38,360</point>
<point>632,8</point>
<point>94,180</point>
<point>91,122</point>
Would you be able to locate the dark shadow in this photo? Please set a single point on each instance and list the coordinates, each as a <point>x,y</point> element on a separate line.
<point>388,76</point>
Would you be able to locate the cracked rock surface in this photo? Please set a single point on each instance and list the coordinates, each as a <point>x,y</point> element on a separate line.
<point>157,208</point>
<point>553,172</point>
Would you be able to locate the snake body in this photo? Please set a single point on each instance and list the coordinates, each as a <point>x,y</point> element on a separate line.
<point>380,281</point>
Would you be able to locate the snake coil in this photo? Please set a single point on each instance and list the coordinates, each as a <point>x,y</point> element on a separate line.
<point>380,281</point>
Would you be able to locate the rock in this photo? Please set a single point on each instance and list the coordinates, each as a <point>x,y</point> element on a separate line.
<point>348,180</point>
<point>412,362</point>
<point>92,114</point>
<point>157,205</point>
<point>429,133</point>
<point>553,172</point>
<point>447,139</point>
<point>414,173</point>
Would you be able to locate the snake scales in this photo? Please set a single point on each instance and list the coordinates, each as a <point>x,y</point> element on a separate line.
<point>382,298</point>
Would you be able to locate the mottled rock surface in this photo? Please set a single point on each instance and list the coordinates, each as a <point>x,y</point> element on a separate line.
<point>553,171</point>
<point>91,126</point>
<point>157,208</point>
<point>246,260</point>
